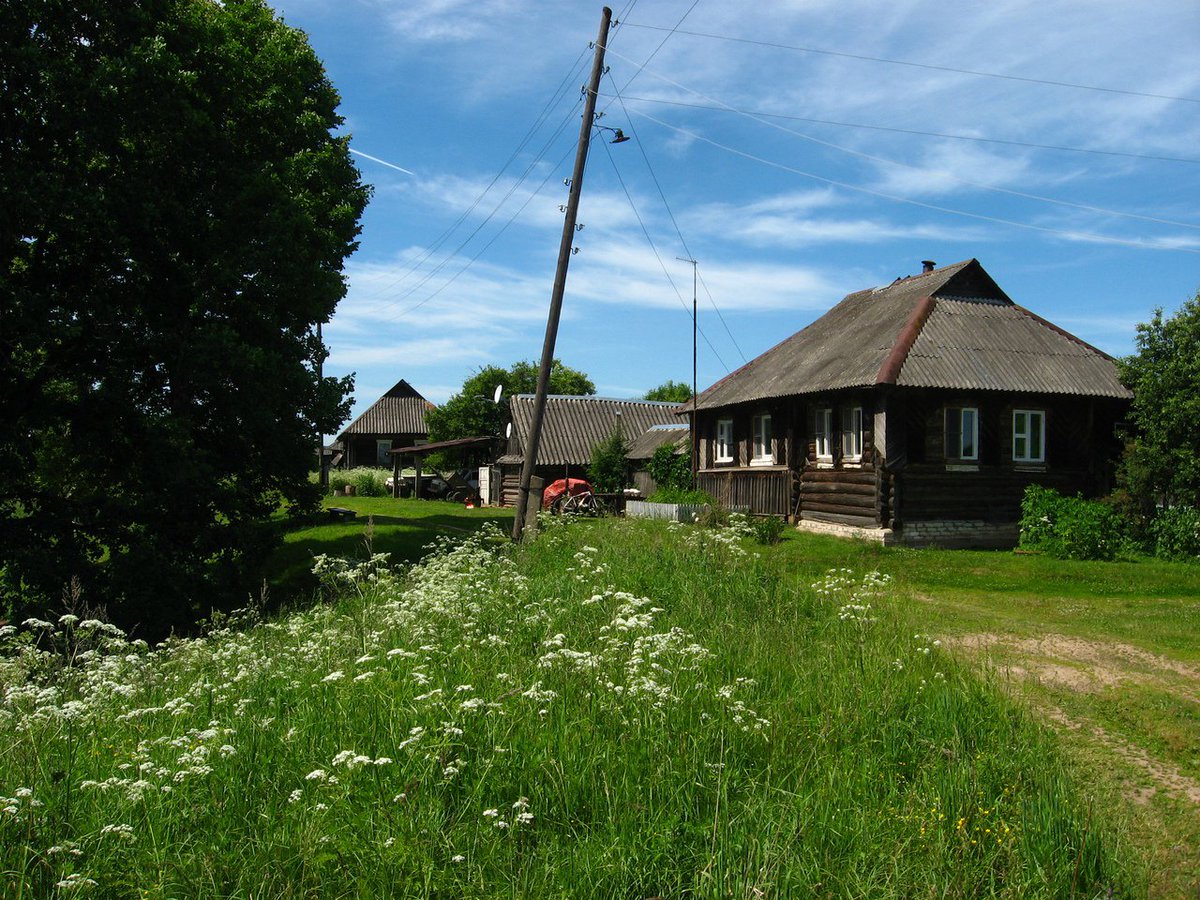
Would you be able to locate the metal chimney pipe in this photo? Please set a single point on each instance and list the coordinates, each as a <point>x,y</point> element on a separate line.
<point>927,265</point>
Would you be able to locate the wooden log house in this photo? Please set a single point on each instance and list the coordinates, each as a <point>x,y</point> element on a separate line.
<point>914,413</point>
<point>397,419</point>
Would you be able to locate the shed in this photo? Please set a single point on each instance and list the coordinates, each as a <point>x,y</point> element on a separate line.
<point>572,427</point>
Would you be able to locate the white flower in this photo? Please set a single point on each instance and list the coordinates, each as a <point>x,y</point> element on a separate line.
<point>491,813</point>
<point>334,676</point>
<point>457,858</point>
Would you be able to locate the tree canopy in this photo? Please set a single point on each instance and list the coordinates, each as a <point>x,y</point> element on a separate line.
<point>671,392</point>
<point>176,212</point>
<point>472,413</point>
<point>1162,463</point>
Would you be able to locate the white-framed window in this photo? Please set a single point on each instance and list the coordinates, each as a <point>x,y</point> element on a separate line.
<point>760,427</point>
<point>962,433</point>
<point>823,434</point>
<point>1029,435</point>
<point>383,455</point>
<point>852,433</point>
<point>724,448</point>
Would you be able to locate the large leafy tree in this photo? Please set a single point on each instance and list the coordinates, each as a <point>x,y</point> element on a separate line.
<point>175,210</point>
<point>670,391</point>
<point>1162,462</point>
<point>472,413</point>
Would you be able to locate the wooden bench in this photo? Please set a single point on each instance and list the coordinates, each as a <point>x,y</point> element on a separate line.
<point>340,512</point>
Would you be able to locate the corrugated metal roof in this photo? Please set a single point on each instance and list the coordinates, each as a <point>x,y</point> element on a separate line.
<point>400,411</point>
<point>573,426</point>
<point>677,435</point>
<point>952,327</point>
<point>978,346</point>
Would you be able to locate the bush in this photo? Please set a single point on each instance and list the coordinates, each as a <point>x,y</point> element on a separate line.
<point>670,470</point>
<point>1175,532</point>
<point>607,471</point>
<point>1069,527</point>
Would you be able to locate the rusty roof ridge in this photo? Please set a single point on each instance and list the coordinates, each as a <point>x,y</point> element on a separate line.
<point>889,371</point>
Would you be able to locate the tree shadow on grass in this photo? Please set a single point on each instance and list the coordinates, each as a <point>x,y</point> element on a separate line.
<point>289,571</point>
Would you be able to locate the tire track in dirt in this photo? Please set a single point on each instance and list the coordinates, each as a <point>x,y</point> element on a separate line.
<point>1084,666</point>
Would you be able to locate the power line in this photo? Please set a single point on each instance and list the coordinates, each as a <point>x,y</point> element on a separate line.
<point>881,159</point>
<point>654,250</point>
<point>916,65</point>
<point>936,134</point>
<point>1077,235</point>
<point>671,215</point>
<point>438,242</point>
<point>491,241</point>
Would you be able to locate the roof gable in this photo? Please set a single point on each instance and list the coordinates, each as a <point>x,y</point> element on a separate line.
<point>951,327</point>
<point>400,411</point>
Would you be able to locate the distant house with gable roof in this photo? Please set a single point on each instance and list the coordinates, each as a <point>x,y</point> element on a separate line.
<point>397,419</point>
<point>914,413</point>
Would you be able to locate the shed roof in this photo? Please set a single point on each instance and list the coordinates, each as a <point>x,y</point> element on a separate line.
<point>400,411</point>
<point>573,426</point>
<point>676,435</point>
<point>951,327</point>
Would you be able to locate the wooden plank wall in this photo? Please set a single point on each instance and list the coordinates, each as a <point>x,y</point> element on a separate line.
<point>765,492</point>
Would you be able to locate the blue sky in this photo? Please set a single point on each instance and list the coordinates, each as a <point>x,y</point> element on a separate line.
<point>736,162</point>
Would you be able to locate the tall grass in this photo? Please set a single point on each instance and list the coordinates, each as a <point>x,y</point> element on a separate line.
<point>617,709</point>
<point>366,481</point>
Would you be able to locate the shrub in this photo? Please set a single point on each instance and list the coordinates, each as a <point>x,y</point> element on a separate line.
<point>1069,527</point>
<point>607,470</point>
<point>670,470</point>
<point>1176,533</point>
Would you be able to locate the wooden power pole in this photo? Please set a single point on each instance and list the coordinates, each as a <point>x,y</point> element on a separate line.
<point>560,276</point>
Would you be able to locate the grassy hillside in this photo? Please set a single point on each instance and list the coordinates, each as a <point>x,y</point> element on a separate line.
<point>617,709</point>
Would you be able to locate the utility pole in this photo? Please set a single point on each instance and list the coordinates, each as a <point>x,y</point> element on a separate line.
<point>560,276</point>
<point>694,442</point>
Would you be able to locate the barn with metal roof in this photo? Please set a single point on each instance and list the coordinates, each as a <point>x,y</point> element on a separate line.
<point>572,427</point>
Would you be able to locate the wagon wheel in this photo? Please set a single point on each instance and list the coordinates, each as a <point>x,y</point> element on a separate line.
<point>456,496</point>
